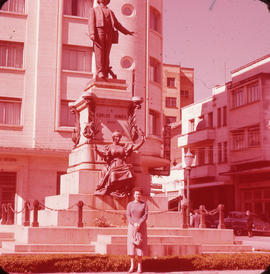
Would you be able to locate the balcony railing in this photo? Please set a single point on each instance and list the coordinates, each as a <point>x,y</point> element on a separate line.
<point>200,136</point>
<point>204,171</point>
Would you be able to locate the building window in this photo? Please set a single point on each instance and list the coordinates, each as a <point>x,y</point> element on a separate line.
<point>219,117</point>
<point>155,70</point>
<point>154,123</point>
<point>225,155</point>
<point>210,119</point>
<point>10,111</point>
<point>238,98</point>
<point>238,140</point>
<point>67,118</point>
<point>191,124</point>
<point>170,119</point>
<point>225,116</point>
<point>77,58</point>
<point>155,20</point>
<point>211,155</point>
<point>14,6</point>
<point>253,136</point>
<point>184,93</point>
<point>171,82</point>
<point>253,93</point>
<point>171,102</point>
<point>78,8</point>
<point>11,54</point>
<point>219,152</point>
<point>201,156</point>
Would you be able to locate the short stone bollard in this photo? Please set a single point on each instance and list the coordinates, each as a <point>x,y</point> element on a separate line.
<point>4,214</point>
<point>202,212</point>
<point>184,216</point>
<point>26,213</point>
<point>35,214</point>
<point>80,213</point>
<point>10,215</point>
<point>221,224</point>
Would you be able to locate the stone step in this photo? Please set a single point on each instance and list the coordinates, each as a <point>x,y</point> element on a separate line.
<point>210,248</point>
<point>75,235</point>
<point>6,235</point>
<point>5,240</point>
<point>21,247</point>
<point>8,252</point>
<point>151,239</point>
<point>173,250</point>
<point>158,245</point>
<point>153,249</point>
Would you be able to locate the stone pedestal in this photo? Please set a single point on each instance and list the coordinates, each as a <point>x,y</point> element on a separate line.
<point>104,107</point>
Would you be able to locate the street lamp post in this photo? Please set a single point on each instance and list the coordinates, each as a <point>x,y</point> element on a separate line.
<point>188,161</point>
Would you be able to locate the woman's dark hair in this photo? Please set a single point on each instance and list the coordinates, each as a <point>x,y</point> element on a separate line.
<point>137,189</point>
<point>108,2</point>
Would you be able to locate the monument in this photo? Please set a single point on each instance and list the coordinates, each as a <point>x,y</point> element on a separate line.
<point>104,164</point>
<point>105,161</point>
<point>106,111</point>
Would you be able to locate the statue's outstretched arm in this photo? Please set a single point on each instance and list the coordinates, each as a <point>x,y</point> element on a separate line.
<point>119,26</point>
<point>101,152</point>
<point>142,137</point>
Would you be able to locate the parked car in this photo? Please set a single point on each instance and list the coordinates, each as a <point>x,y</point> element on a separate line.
<point>237,220</point>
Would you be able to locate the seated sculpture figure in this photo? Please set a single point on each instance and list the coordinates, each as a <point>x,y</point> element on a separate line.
<point>118,177</point>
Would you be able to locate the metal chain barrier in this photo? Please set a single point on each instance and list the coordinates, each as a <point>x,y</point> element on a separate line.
<point>218,210</point>
<point>8,212</point>
<point>53,209</point>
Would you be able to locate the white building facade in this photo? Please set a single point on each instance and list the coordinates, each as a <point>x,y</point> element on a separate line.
<point>229,135</point>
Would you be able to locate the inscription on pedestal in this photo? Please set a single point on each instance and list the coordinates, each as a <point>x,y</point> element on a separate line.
<point>111,118</point>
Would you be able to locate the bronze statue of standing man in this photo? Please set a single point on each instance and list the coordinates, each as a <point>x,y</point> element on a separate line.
<point>103,31</point>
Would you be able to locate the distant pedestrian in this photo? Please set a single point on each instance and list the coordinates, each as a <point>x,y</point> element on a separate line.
<point>196,219</point>
<point>137,213</point>
<point>249,223</point>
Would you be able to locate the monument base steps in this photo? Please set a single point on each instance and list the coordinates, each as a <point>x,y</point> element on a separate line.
<point>41,248</point>
<point>6,237</point>
<point>162,241</point>
<point>154,250</point>
<point>228,248</point>
<point>157,245</point>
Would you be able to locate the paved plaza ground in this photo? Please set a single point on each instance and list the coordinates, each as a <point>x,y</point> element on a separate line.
<point>184,272</point>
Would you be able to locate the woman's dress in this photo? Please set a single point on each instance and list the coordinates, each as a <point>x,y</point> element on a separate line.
<point>137,212</point>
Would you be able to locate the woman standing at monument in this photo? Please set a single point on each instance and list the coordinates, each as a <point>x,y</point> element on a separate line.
<point>137,213</point>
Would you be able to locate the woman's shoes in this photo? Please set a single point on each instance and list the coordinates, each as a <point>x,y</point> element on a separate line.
<point>131,270</point>
<point>139,270</point>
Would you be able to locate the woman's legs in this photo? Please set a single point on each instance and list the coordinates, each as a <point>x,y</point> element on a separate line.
<point>139,270</point>
<point>131,264</point>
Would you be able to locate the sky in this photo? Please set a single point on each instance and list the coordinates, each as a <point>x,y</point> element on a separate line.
<point>214,37</point>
